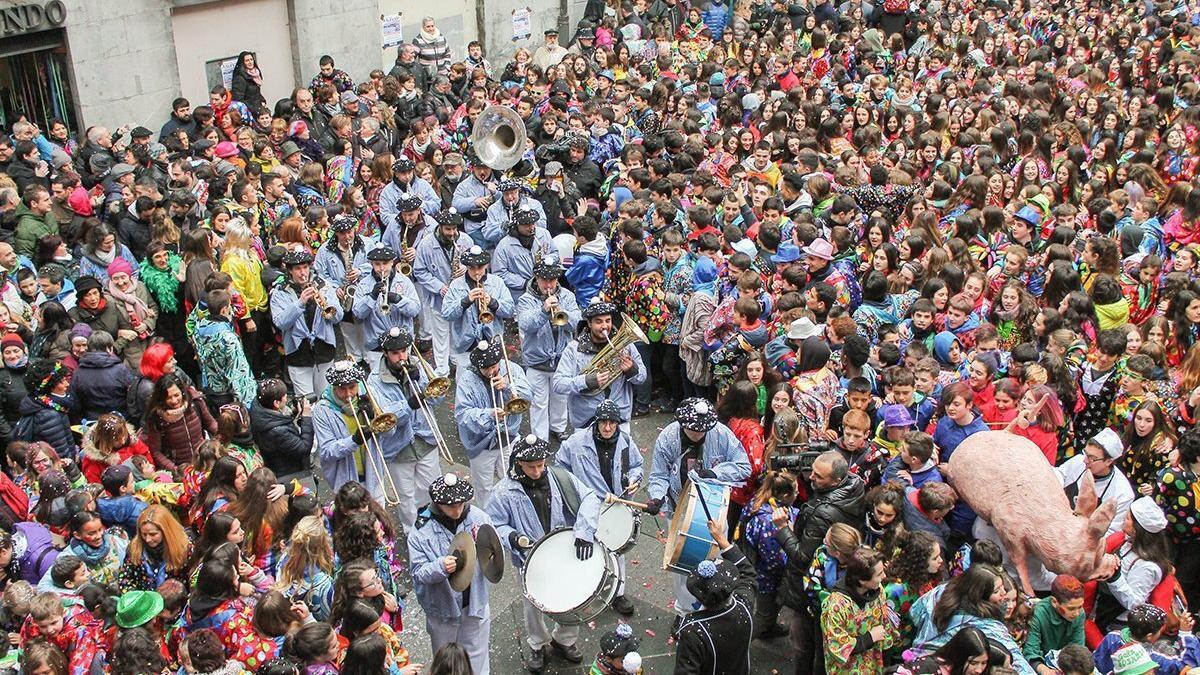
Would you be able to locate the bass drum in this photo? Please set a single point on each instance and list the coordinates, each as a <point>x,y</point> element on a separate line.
<point>570,590</point>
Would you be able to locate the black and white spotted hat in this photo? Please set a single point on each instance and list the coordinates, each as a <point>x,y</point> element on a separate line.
<point>525,217</point>
<point>597,308</point>
<point>451,488</point>
<point>475,257</point>
<point>403,164</point>
<point>696,414</point>
<point>608,410</point>
<point>381,253</point>
<point>343,223</point>
<point>297,257</point>
<point>344,374</point>
<point>409,202</point>
<point>487,354</point>
<point>510,184</point>
<point>449,216</point>
<point>530,448</point>
<point>548,268</point>
<point>395,340</point>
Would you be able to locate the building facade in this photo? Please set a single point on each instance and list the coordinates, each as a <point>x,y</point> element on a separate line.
<point>123,61</point>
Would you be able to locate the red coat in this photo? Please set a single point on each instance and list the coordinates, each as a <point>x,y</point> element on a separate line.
<point>1047,441</point>
<point>750,433</point>
<point>93,464</point>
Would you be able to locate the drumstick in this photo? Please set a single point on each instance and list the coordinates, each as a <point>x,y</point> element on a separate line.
<point>700,498</point>
<point>613,499</point>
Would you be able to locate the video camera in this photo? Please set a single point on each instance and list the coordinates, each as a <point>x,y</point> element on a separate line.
<point>800,462</point>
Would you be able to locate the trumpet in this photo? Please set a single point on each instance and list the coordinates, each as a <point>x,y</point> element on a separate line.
<point>327,310</point>
<point>485,314</point>
<point>558,318</point>
<point>384,307</point>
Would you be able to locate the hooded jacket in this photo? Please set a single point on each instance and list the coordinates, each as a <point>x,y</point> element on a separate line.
<point>286,446</point>
<point>101,384</point>
<point>586,275</point>
<point>51,426</point>
<point>842,504</point>
<point>30,228</point>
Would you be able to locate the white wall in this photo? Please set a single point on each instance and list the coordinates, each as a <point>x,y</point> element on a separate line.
<point>223,29</point>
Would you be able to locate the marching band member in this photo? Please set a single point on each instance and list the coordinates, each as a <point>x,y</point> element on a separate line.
<point>527,505</point>
<point>411,226</point>
<point>404,180</point>
<point>474,196</point>
<point>695,441</point>
<point>450,616</point>
<point>479,399</point>
<point>515,255</point>
<point>339,436</point>
<point>436,265</point>
<point>340,263</point>
<point>605,459</point>
<point>464,304</point>
<point>585,392</point>
<point>384,287</point>
<point>411,449</point>
<point>504,210</point>
<point>305,310</point>
<point>543,342</point>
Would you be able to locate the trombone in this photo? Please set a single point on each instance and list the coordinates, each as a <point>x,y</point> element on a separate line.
<point>515,405</point>
<point>436,388</point>
<point>379,424</point>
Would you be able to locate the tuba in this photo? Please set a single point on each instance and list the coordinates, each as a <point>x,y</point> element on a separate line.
<point>609,358</point>
<point>499,137</point>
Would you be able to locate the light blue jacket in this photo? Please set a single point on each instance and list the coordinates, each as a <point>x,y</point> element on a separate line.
<point>329,265</point>
<point>723,453</point>
<point>499,215</point>
<point>465,328</point>
<point>401,314</point>
<point>396,443</point>
<point>427,545</point>
<point>393,392</point>
<point>542,342</point>
<point>465,195</point>
<point>391,236</point>
<point>513,263</point>
<point>579,456</point>
<point>512,511</point>
<point>336,449</point>
<point>474,403</point>
<point>288,316</point>
<point>389,199</point>
<point>431,269</point>
<point>582,399</point>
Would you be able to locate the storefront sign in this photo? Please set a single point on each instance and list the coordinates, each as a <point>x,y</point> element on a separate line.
<point>32,18</point>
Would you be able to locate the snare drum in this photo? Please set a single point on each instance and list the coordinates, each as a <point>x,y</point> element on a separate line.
<point>688,540</point>
<point>618,527</point>
<point>570,590</point>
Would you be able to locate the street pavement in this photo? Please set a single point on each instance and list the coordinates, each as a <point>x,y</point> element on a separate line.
<point>648,586</point>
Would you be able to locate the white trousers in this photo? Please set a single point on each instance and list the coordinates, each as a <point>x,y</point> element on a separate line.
<point>620,575</point>
<point>538,634</point>
<point>470,633</point>
<point>412,479</point>
<point>486,469</point>
<point>439,329</point>
<point>309,379</point>
<point>352,339</point>
<point>548,410</point>
<point>685,602</point>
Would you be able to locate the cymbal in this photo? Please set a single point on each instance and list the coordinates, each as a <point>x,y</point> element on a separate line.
<point>490,553</point>
<point>463,549</point>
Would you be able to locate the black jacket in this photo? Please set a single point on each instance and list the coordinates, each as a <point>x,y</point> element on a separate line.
<point>246,90</point>
<point>717,640</point>
<point>415,69</point>
<point>134,233</point>
<point>51,426</point>
<point>586,176</point>
<point>22,173</point>
<point>285,446</point>
<point>101,385</point>
<point>843,504</point>
<point>12,392</point>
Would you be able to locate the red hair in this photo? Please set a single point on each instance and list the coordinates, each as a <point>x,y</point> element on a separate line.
<point>155,357</point>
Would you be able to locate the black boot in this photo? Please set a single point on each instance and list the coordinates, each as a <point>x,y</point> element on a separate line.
<point>569,652</point>
<point>622,605</point>
<point>537,661</point>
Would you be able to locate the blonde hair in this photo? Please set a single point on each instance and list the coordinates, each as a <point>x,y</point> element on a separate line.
<point>310,546</point>
<point>176,549</point>
<point>843,538</point>
<point>237,239</point>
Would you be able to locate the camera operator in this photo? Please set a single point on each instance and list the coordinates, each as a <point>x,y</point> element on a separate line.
<point>837,497</point>
<point>286,439</point>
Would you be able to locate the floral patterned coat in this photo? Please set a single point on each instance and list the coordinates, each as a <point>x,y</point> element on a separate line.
<point>843,620</point>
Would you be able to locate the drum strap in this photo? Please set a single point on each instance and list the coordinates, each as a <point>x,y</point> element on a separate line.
<point>566,488</point>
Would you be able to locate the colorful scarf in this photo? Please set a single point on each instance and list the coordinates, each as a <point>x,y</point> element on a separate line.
<point>163,284</point>
<point>92,557</point>
<point>138,311</point>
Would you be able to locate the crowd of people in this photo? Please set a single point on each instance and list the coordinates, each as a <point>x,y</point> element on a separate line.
<point>833,241</point>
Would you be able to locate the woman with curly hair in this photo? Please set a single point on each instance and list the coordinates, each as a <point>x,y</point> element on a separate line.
<point>1013,315</point>
<point>359,581</point>
<point>353,498</point>
<point>884,522</point>
<point>919,566</point>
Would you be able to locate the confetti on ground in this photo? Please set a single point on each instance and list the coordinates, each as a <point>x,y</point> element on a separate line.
<point>634,561</point>
<point>646,585</point>
<point>592,625</point>
<point>650,632</point>
<point>671,605</point>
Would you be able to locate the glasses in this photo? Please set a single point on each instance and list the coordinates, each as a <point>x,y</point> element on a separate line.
<point>1089,459</point>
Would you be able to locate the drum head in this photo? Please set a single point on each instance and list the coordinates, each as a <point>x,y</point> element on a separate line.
<point>555,580</point>
<point>616,526</point>
<point>679,520</point>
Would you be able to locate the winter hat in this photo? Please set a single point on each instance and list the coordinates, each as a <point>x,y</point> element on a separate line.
<point>530,449</point>
<point>451,489</point>
<point>619,642</point>
<point>608,410</point>
<point>396,339</point>
<point>696,414</point>
<point>344,374</point>
<point>621,195</point>
<point>81,330</point>
<point>11,340</point>
<point>118,266</point>
<point>85,284</point>
<point>486,354</point>
<point>226,149</point>
<point>712,582</point>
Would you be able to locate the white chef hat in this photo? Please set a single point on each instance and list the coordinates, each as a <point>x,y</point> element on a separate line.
<point>1109,441</point>
<point>1148,515</point>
